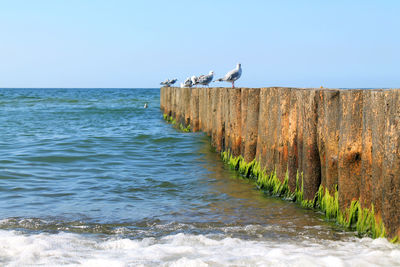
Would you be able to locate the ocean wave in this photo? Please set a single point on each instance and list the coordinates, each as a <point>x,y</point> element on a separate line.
<point>19,249</point>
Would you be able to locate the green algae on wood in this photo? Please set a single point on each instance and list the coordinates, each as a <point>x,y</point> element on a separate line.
<point>170,119</point>
<point>183,128</point>
<point>355,217</point>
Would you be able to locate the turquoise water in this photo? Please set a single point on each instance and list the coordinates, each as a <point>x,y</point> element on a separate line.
<point>90,177</point>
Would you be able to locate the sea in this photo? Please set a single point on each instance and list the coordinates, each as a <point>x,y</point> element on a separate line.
<point>89,177</point>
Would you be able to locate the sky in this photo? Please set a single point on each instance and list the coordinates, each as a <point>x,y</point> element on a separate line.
<point>137,44</point>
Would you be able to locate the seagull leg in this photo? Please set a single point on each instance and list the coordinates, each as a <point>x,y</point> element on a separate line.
<point>233,84</point>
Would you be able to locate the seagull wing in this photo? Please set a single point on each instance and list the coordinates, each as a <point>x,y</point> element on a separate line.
<point>205,79</point>
<point>232,75</point>
<point>202,78</point>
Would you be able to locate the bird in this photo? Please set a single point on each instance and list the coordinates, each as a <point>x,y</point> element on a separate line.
<point>165,83</point>
<point>205,79</point>
<point>188,82</point>
<point>194,80</point>
<point>145,105</point>
<point>168,82</point>
<point>232,76</point>
<point>172,81</point>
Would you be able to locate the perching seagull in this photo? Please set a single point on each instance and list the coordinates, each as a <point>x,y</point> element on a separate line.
<point>187,83</point>
<point>165,83</point>
<point>205,79</point>
<point>232,76</point>
<point>172,81</point>
<point>168,82</point>
<point>194,80</point>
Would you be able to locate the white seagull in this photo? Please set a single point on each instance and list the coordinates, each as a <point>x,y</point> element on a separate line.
<point>187,83</point>
<point>165,83</point>
<point>168,82</point>
<point>232,76</point>
<point>194,80</point>
<point>205,79</point>
<point>172,81</point>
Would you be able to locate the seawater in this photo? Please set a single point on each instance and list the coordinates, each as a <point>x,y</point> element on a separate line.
<point>88,177</point>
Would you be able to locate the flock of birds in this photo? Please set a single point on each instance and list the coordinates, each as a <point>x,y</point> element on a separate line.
<point>205,80</point>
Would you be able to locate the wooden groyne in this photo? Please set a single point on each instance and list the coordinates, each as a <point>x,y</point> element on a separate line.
<point>344,140</point>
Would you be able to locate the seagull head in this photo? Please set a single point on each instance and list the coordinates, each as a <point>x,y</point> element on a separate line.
<point>238,65</point>
<point>211,72</point>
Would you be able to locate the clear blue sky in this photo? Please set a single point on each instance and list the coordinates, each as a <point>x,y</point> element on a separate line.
<point>82,43</point>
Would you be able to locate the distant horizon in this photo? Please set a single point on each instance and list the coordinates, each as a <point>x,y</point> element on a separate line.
<point>103,44</point>
<point>156,88</point>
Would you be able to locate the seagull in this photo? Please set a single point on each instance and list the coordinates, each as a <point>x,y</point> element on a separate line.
<point>232,76</point>
<point>165,83</point>
<point>205,79</point>
<point>194,80</point>
<point>168,82</point>
<point>145,105</point>
<point>188,82</point>
<point>172,81</point>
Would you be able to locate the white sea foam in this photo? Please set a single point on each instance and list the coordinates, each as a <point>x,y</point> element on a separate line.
<point>18,249</point>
